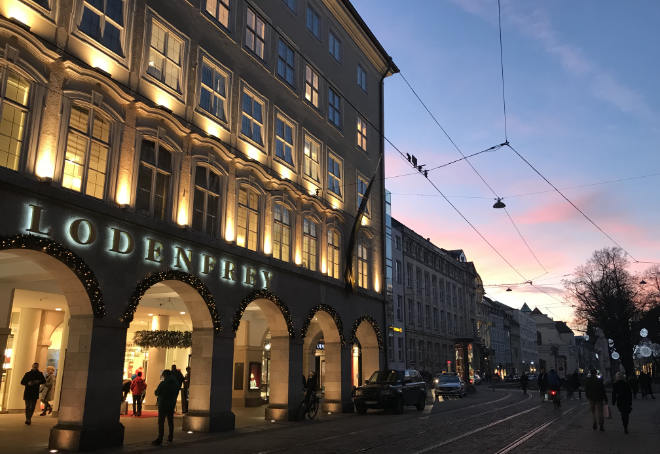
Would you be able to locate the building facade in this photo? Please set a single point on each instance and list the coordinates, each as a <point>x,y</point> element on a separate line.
<point>555,344</point>
<point>528,354</point>
<point>189,166</point>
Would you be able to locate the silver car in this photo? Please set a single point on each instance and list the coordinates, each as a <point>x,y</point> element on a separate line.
<point>449,385</point>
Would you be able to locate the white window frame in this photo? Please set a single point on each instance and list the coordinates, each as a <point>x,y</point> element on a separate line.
<point>361,133</point>
<point>155,169</point>
<point>102,20</point>
<point>360,195</point>
<point>361,78</point>
<point>334,108</point>
<point>219,6</point>
<point>219,69</point>
<point>279,117</point>
<point>170,35</point>
<point>255,97</point>
<point>334,45</point>
<point>331,175</point>
<point>334,254</point>
<point>248,224</point>
<point>23,108</point>
<point>215,230</point>
<point>310,246</point>
<point>362,259</point>
<point>285,232</point>
<point>311,165</point>
<point>286,64</point>
<point>253,31</point>
<point>312,86</point>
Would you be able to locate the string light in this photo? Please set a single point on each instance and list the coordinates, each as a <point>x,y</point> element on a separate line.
<point>332,313</point>
<point>163,339</point>
<point>369,319</point>
<point>265,294</point>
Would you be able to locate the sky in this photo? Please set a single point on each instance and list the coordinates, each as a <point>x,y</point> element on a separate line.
<point>582,88</point>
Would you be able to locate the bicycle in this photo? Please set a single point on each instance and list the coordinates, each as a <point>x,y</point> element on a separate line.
<point>309,406</point>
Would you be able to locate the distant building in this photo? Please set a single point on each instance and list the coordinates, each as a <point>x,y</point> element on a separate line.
<point>555,344</point>
<point>528,351</point>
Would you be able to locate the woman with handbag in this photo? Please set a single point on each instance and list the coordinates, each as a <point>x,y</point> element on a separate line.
<point>47,391</point>
<point>622,398</point>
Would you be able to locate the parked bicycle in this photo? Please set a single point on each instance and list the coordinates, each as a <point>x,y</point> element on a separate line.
<point>309,407</point>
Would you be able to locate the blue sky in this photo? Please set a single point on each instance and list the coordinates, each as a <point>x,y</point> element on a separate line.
<point>583,101</point>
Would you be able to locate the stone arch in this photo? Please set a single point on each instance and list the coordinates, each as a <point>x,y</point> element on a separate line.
<point>266,295</point>
<point>358,327</point>
<point>367,342</point>
<point>329,311</point>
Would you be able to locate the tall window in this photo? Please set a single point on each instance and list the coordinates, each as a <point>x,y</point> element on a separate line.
<point>361,191</point>
<point>334,46</point>
<point>103,20</point>
<point>334,249</point>
<point>86,157</point>
<point>165,55</point>
<point>334,175</point>
<point>153,186</point>
<point>285,68</point>
<point>409,273</point>
<point>411,312</point>
<point>361,128</point>
<point>255,33</point>
<point>312,21</point>
<point>311,165</point>
<point>281,232</point>
<point>334,108</point>
<point>436,318</point>
<point>309,254</point>
<point>213,92</point>
<point>291,4</point>
<point>362,265</point>
<point>219,9</point>
<point>14,94</point>
<point>398,272</point>
<point>206,201</point>
<point>400,348</point>
<point>427,313</point>
<point>252,122</point>
<point>247,225</point>
<point>399,310</point>
<point>311,86</point>
<point>284,140</point>
<point>361,78</point>
<point>420,315</point>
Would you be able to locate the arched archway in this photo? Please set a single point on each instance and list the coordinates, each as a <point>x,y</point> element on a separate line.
<point>323,341</point>
<point>366,341</point>
<point>263,332</point>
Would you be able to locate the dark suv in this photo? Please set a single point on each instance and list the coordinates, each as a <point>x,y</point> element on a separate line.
<point>391,389</point>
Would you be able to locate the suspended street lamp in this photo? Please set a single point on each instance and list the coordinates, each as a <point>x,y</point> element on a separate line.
<point>499,203</point>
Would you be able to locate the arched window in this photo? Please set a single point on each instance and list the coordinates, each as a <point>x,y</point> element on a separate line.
<point>362,264</point>
<point>247,225</point>
<point>281,232</point>
<point>334,249</point>
<point>310,248</point>
<point>206,201</point>
<point>14,95</point>
<point>154,179</point>
<point>86,154</point>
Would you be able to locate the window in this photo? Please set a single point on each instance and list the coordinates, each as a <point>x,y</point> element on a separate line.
<point>334,46</point>
<point>436,318</point>
<point>334,248</point>
<point>400,348</point>
<point>281,232</point>
<point>418,280</point>
<point>361,191</point>
<point>419,315</point>
<point>397,242</point>
<point>247,225</point>
<point>103,20</point>
<point>284,140</point>
<point>411,312</point>
<point>311,159</point>
<point>311,86</point>
<point>427,313</point>
<point>361,78</point>
<point>399,310</point>
<point>252,122</point>
<point>363,265</point>
<point>361,128</point>
<point>165,54</point>
<point>443,322</point>
<point>334,175</point>
<point>427,284</point>
<point>219,9</point>
<point>409,273</point>
<point>206,201</point>
<point>213,92</point>
<point>291,4</point>
<point>14,94</point>
<point>309,254</point>
<point>255,34</point>
<point>155,174</point>
<point>398,271</point>
<point>285,68</point>
<point>334,108</point>
<point>313,22</point>
<point>86,156</point>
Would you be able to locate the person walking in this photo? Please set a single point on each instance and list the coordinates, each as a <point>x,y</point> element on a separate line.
<point>542,383</point>
<point>167,392</point>
<point>595,391</point>
<point>622,398</point>
<point>524,381</point>
<point>186,391</point>
<point>176,373</point>
<point>47,391</point>
<point>32,380</point>
<point>138,388</point>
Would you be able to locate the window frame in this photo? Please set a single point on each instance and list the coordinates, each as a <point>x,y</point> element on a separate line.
<point>361,77</point>
<point>334,109</point>
<point>170,31</point>
<point>217,232</point>
<point>123,29</point>
<point>216,67</point>
<point>252,50</point>
<point>287,66</point>
<point>288,227</point>
<point>362,256</point>
<point>361,129</point>
<point>216,19</point>
<point>25,109</point>
<point>340,178</point>
<point>245,89</point>
<point>336,250</point>
<point>359,196</point>
<point>286,121</point>
<point>314,164</point>
<point>313,90</point>
<point>307,241</point>
<point>249,210</point>
<point>315,13</point>
<point>336,50</point>
<point>158,141</point>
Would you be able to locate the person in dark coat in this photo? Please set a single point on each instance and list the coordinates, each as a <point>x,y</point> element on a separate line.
<point>622,398</point>
<point>167,392</point>
<point>32,380</point>
<point>185,393</point>
<point>595,391</point>
<point>524,380</point>
<point>542,383</point>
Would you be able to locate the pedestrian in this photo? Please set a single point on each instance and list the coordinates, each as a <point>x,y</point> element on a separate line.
<point>186,391</point>
<point>573,384</point>
<point>167,392</point>
<point>32,380</point>
<point>542,383</point>
<point>47,391</point>
<point>622,398</point>
<point>595,391</point>
<point>524,380</point>
<point>138,388</point>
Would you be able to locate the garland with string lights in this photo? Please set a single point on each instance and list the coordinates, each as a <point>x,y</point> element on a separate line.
<point>369,319</point>
<point>163,339</point>
<point>69,258</point>
<point>266,294</point>
<point>330,311</point>
<point>172,275</point>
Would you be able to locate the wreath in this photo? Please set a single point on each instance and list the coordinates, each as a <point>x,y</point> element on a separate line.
<point>163,339</point>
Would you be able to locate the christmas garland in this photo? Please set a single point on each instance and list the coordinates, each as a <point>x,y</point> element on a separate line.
<point>330,311</point>
<point>266,294</point>
<point>163,339</point>
<point>369,319</point>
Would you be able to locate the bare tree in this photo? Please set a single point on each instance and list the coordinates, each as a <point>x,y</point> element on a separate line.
<point>605,295</point>
<point>650,284</point>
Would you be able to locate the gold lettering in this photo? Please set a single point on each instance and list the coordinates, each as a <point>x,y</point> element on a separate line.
<point>154,250</point>
<point>250,275</point>
<point>187,257</point>
<point>208,264</point>
<point>230,270</point>
<point>268,277</point>
<point>74,231</point>
<point>117,235</point>
<point>35,220</point>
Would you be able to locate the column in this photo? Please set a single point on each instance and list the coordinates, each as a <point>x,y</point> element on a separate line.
<point>295,385</point>
<point>156,361</point>
<point>281,375</point>
<point>24,351</point>
<point>6,299</point>
<point>50,123</point>
<point>126,157</point>
<point>347,379</point>
<point>333,377</point>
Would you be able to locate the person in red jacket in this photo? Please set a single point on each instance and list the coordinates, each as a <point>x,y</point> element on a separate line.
<point>138,388</point>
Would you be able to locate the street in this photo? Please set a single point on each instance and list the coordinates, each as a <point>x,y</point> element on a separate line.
<point>500,421</point>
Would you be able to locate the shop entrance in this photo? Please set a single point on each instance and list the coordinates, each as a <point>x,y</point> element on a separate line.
<point>365,353</point>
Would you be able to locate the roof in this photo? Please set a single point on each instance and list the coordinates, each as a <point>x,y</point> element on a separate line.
<point>537,311</point>
<point>525,308</point>
<point>562,327</point>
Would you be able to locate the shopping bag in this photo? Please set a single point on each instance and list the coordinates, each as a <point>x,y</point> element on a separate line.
<point>606,411</point>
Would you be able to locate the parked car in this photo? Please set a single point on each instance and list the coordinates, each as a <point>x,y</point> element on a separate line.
<point>391,389</point>
<point>449,385</point>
